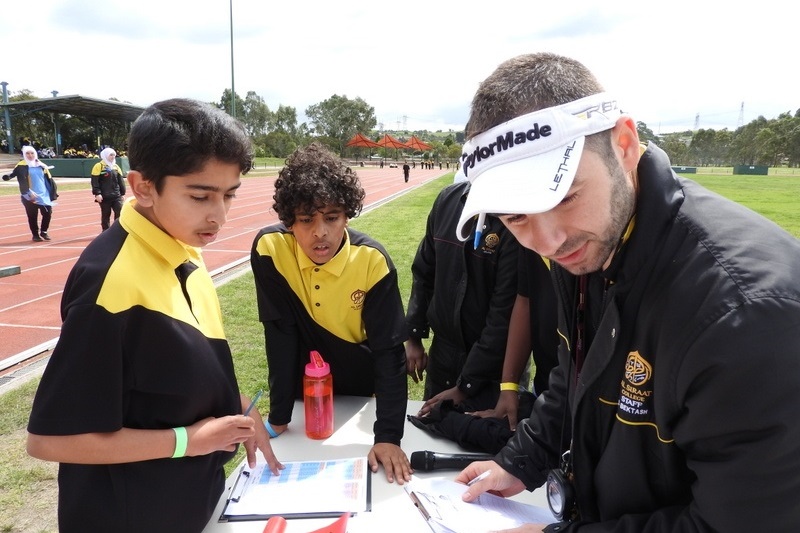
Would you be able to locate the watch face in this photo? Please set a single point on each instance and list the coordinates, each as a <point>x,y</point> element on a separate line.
<point>555,496</point>
<point>560,497</point>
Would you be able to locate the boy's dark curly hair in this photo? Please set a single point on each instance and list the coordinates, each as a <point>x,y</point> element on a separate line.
<point>313,178</point>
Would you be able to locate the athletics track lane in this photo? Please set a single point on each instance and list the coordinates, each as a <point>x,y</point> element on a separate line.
<point>30,301</point>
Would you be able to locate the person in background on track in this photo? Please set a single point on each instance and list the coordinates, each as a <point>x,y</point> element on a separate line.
<point>108,186</point>
<point>38,192</point>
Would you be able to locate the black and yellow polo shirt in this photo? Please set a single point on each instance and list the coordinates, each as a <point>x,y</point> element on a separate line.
<point>141,346</point>
<point>349,309</point>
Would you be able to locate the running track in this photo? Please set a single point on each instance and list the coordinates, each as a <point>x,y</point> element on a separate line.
<point>30,318</point>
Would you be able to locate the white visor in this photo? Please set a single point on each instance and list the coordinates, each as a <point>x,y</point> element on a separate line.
<point>527,165</point>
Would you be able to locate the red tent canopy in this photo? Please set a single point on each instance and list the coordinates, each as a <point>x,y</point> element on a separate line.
<point>362,141</point>
<point>415,144</point>
<point>390,142</point>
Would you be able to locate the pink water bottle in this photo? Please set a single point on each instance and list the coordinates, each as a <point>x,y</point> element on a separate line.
<point>318,397</point>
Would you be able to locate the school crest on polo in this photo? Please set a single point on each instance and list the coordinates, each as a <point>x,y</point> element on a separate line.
<point>357,297</point>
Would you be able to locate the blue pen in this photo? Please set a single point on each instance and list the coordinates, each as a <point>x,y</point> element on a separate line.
<point>479,229</point>
<point>250,407</point>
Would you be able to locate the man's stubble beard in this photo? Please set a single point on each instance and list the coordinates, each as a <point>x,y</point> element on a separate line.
<point>621,204</point>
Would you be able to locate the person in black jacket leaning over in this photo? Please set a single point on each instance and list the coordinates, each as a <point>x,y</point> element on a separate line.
<point>675,398</point>
<point>465,295</point>
<point>532,331</point>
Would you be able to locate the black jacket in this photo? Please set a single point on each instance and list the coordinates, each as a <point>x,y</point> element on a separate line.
<point>685,413</point>
<point>110,184</point>
<point>464,295</point>
<point>23,179</point>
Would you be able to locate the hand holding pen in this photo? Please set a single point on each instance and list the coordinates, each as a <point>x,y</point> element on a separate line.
<point>478,478</point>
<point>488,476</point>
<point>261,440</point>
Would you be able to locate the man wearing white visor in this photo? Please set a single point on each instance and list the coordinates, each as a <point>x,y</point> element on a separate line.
<point>674,405</point>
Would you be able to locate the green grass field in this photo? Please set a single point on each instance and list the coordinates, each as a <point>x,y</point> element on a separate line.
<point>399,225</point>
<point>775,197</point>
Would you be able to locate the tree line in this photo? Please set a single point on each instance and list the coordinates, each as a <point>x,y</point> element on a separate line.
<point>334,121</point>
<point>768,142</point>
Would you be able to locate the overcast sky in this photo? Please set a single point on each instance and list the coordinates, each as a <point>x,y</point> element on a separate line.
<point>417,62</point>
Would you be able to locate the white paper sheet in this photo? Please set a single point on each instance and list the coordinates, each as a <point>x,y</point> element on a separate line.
<point>303,487</point>
<point>441,499</point>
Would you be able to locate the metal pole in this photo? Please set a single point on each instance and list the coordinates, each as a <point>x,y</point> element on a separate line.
<point>7,117</point>
<point>55,126</point>
<point>233,86</point>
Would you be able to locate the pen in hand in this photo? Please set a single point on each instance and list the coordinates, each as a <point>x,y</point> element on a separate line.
<point>478,478</point>
<point>255,399</point>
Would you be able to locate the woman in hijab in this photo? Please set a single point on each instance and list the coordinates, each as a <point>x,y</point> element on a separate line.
<point>108,186</point>
<point>37,191</point>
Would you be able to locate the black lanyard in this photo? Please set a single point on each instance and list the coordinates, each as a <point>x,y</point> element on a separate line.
<point>580,325</point>
<point>578,354</point>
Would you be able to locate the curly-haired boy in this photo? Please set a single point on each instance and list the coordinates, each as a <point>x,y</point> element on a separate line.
<point>322,286</point>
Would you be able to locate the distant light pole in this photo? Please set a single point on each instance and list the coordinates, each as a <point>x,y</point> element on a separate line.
<point>233,86</point>
<point>56,135</point>
<point>7,118</point>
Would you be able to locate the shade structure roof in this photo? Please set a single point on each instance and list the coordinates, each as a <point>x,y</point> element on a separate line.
<point>362,141</point>
<point>416,144</point>
<point>79,106</point>
<point>390,142</point>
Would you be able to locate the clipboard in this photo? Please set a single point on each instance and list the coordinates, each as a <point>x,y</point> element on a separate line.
<point>304,489</point>
<point>439,502</point>
<point>422,506</point>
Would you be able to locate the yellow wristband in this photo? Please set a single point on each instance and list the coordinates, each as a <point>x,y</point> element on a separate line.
<point>509,386</point>
<point>181,441</point>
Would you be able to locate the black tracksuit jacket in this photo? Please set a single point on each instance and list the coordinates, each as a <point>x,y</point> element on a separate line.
<point>464,295</point>
<point>685,415</point>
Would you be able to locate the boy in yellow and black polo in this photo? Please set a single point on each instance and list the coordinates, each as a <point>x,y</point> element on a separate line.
<point>139,402</point>
<point>322,286</point>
